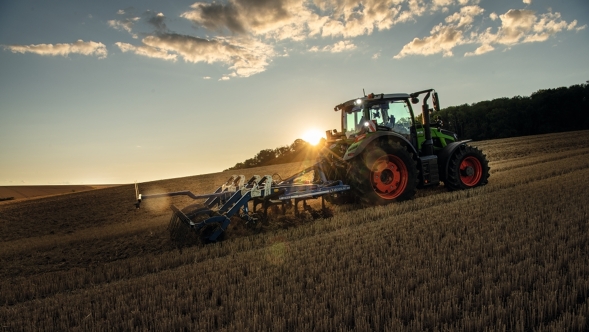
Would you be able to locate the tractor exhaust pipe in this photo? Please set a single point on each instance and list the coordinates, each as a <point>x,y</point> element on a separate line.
<point>427,146</point>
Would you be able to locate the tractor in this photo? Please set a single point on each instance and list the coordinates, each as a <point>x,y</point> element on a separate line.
<point>384,153</point>
<point>381,154</point>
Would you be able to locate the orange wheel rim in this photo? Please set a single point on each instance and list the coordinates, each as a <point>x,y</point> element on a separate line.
<point>471,171</point>
<point>389,176</point>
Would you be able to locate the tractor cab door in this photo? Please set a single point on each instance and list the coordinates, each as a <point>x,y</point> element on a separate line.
<point>352,121</point>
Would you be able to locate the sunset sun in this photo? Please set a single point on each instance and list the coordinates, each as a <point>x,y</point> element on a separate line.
<point>312,136</point>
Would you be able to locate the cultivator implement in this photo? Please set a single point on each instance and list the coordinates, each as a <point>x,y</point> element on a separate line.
<point>211,218</point>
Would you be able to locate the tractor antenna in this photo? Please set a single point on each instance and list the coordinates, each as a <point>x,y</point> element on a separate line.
<point>363,92</point>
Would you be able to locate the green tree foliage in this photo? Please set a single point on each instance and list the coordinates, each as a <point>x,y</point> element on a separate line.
<point>545,111</point>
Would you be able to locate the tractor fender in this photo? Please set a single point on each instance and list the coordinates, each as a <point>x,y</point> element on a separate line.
<point>356,149</point>
<point>445,154</point>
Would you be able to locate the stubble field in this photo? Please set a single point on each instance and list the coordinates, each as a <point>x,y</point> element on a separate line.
<point>512,255</point>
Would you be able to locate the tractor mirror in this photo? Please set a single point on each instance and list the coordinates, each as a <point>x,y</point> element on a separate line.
<point>414,100</point>
<point>436,102</point>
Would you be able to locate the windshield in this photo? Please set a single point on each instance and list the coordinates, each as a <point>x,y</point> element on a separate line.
<point>392,114</point>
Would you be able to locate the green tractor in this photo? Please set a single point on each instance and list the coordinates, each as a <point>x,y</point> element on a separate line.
<point>385,154</point>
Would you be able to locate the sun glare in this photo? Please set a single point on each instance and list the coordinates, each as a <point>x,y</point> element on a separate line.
<point>312,136</point>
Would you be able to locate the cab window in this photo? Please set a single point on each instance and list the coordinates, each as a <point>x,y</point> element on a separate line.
<point>353,122</point>
<point>392,114</point>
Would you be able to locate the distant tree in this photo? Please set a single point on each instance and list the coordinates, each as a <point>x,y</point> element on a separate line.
<point>297,151</point>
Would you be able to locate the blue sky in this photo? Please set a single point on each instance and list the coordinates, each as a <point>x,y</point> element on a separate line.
<point>98,92</point>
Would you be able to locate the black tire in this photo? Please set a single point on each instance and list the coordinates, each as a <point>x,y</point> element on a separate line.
<point>385,172</point>
<point>468,168</point>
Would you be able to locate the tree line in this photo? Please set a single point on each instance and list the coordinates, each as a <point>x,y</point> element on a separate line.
<point>299,150</point>
<point>545,111</point>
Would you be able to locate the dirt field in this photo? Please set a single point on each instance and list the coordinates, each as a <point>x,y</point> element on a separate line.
<point>513,255</point>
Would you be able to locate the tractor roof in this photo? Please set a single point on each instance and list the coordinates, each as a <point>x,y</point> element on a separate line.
<point>348,105</point>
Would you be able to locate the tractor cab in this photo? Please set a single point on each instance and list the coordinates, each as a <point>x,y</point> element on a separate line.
<point>385,115</point>
<point>391,113</point>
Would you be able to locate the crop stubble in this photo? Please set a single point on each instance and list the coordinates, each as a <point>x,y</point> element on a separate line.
<point>511,255</point>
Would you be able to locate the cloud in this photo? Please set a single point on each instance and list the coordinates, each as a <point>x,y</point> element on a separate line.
<point>443,38</point>
<point>206,78</point>
<point>524,26</point>
<point>341,46</point>
<point>480,50</point>
<point>517,26</point>
<point>157,21</point>
<point>246,16</point>
<point>297,19</point>
<point>245,58</point>
<point>244,32</point>
<point>150,52</point>
<point>347,18</point>
<point>465,17</point>
<point>442,3</point>
<point>244,35</point>
<point>124,24</point>
<point>79,47</point>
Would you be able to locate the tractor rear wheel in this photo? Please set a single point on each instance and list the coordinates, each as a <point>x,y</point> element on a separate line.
<point>384,173</point>
<point>468,168</point>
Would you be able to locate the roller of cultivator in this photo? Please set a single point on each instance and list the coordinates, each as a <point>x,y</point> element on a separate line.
<point>211,218</point>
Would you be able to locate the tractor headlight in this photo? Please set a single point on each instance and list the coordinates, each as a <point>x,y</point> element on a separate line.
<point>358,101</point>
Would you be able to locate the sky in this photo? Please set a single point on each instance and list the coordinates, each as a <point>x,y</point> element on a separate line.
<point>109,92</point>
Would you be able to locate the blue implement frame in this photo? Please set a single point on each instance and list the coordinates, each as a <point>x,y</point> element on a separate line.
<point>233,196</point>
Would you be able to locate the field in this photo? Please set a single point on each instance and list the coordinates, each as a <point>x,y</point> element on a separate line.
<point>26,192</point>
<point>509,256</point>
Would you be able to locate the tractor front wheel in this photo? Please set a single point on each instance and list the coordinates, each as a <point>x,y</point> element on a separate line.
<point>383,174</point>
<point>468,168</point>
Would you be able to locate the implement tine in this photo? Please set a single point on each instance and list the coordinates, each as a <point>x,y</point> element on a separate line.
<point>179,226</point>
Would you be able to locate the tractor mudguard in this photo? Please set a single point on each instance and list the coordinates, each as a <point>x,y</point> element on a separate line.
<point>444,157</point>
<point>357,148</point>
